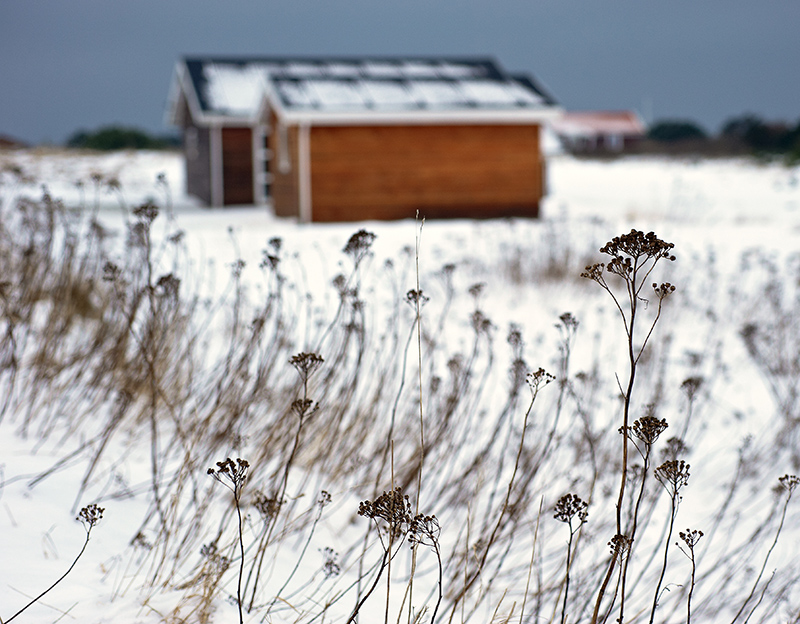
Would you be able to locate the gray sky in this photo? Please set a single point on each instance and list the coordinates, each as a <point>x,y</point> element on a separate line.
<point>71,64</point>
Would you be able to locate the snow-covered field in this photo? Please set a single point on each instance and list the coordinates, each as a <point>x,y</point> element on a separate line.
<point>732,326</point>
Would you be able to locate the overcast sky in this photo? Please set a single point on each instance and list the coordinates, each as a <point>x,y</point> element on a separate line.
<point>72,64</point>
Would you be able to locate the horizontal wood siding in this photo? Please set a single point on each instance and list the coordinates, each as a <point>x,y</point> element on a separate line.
<point>237,166</point>
<point>390,172</point>
<point>285,183</point>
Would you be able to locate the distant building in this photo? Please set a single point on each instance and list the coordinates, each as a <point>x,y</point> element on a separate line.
<point>9,142</point>
<point>354,139</point>
<point>599,131</point>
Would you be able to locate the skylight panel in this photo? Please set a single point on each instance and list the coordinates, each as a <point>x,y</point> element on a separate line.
<point>302,70</point>
<point>342,70</point>
<point>418,69</point>
<point>489,93</point>
<point>295,94</point>
<point>523,95</point>
<point>335,93</point>
<point>460,70</point>
<point>387,94</point>
<point>381,70</point>
<point>436,93</point>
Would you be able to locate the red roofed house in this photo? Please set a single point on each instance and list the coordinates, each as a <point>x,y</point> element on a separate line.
<point>355,139</point>
<point>598,131</point>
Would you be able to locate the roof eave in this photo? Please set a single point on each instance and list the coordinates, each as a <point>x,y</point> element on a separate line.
<point>181,85</point>
<point>420,117</point>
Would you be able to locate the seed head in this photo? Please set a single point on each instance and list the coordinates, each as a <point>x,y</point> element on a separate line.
<point>231,475</point>
<point>673,475</point>
<point>90,516</point>
<point>690,537</point>
<point>359,245</point>
<point>306,364</point>
<point>648,428</point>
<point>789,482</point>
<point>569,506</point>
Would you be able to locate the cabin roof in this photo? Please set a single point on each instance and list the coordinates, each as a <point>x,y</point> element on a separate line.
<point>348,89</point>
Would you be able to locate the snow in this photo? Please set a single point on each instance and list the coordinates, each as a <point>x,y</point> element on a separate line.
<point>435,94</point>
<point>488,93</point>
<point>234,90</point>
<point>734,224</point>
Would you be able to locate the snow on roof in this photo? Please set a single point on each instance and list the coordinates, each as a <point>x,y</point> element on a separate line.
<point>234,88</point>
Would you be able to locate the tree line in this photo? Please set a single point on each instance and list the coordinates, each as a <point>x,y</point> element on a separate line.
<point>745,133</point>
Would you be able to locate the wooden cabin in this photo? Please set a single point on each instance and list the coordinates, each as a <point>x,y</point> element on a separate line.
<point>360,139</point>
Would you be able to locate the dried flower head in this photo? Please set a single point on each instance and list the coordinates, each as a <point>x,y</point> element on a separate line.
<point>594,272</point>
<point>146,213</point>
<point>690,537</point>
<point>111,272</point>
<point>140,541</point>
<point>359,245</point>
<point>416,298</point>
<point>211,553</point>
<point>424,530</point>
<point>304,407</point>
<point>268,260</point>
<point>663,290</point>
<point>539,379</point>
<point>481,323</point>
<point>648,428</point>
<point>514,338</point>
<point>638,245</point>
<point>569,506</point>
<point>168,286</point>
<point>306,364</point>
<point>691,385</point>
<point>674,447</point>
<point>569,321</point>
<point>267,506</point>
<point>673,475</point>
<point>789,482</point>
<point>231,475</point>
<point>476,290</point>
<point>393,508</point>
<point>331,566</point>
<point>619,544</point>
<point>89,516</point>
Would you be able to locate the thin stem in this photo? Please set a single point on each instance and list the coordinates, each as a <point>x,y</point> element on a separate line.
<point>766,559</point>
<point>241,563</point>
<point>666,555</point>
<point>39,597</point>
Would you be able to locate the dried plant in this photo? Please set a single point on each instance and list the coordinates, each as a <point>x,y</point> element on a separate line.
<point>89,516</point>
<point>690,538</point>
<point>233,476</point>
<point>139,346</point>
<point>787,483</point>
<point>569,509</point>
<point>634,256</point>
<point>673,475</point>
<point>392,516</point>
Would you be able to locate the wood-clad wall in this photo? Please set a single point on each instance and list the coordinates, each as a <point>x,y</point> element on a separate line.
<point>237,165</point>
<point>390,172</point>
